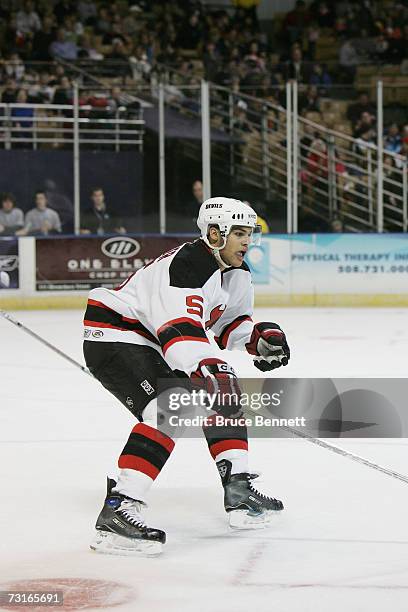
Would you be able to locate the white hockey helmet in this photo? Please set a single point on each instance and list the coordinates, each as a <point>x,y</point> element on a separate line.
<point>227,213</point>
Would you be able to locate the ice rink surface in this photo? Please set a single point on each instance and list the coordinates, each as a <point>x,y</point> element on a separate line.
<point>341,543</point>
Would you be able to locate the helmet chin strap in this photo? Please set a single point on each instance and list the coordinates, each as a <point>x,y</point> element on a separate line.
<point>216,252</point>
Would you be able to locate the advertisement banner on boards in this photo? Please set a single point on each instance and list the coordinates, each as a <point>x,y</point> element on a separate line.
<point>9,263</point>
<point>64,264</point>
<point>332,263</point>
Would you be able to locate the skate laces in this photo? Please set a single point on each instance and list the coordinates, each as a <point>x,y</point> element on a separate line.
<point>130,510</point>
<point>261,495</point>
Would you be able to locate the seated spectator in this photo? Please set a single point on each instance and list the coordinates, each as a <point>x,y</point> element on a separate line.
<point>321,78</point>
<point>403,152</point>
<point>295,20</point>
<point>365,123</point>
<point>22,115</point>
<point>324,14</point>
<point>364,142</point>
<point>336,226</point>
<point>63,8</point>
<point>86,49</point>
<point>191,33</point>
<point>392,195</point>
<point>296,68</point>
<point>42,92</point>
<point>14,67</point>
<point>28,20</point>
<point>9,94</point>
<point>42,40</point>
<point>41,220</point>
<point>62,48</point>
<point>11,218</point>
<point>97,219</point>
<point>64,94</point>
<point>309,102</point>
<point>363,105</point>
<point>87,12</point>
<point>348,60</point>
<point>392,139</point>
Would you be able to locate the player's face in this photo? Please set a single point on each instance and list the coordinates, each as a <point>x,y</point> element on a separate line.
<point>237,245</point>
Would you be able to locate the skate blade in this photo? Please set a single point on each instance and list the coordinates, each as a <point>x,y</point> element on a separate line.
<point>241,519</point>
<point>109,543</point>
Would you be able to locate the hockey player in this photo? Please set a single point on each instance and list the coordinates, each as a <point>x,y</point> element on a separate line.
<point>152,327</point>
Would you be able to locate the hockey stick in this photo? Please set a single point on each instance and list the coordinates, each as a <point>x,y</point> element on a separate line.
<point>344,453</point>
<point>11,319</point>
<point>295,432</point>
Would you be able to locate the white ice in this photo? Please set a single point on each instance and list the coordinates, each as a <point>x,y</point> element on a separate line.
<point>341,543</point>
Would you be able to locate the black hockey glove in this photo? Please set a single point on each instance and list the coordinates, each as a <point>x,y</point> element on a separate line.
<point>268,344</point>
<point>215,376</point>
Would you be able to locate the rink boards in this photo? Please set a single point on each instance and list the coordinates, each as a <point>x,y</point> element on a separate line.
<point>288,270</point>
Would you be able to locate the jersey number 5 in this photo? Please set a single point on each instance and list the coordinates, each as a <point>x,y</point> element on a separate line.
<point>194,305</point>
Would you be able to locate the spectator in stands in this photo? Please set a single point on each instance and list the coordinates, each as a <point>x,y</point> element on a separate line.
<point>73,29</point>
<point>97,219</point>
<point>198,193</point>
<point>336,226</point>
<point>11,218</point>
<point>295,20</point>
<point>22,116</point>
<point>40,51</point>
<point>14,67</point>
<point>309,102</point>
<point>364,142</point>
<point>9,94</point>
<point>321,78</point>
<point>191,33</point>
<point>403,152</point>
<point>43,92</point>
<point>296,68</point>
<point>348,61</point>
<point>28,20</point>
<point>313,34</point>
<point>309,136</point>
<point>87,12</point>
<point>365,123</point>
<point>392,195</point>
<point>323,13</point>
<point>211,60</point>
<point>63,8</point>
<point>240,122</point>
<point>392,138</point>
<point>363,105</point>
<point>86,50</point>
<point>40,220</point>
<point>103,21</point>
<point>62,48</point>
<point>63,94</point>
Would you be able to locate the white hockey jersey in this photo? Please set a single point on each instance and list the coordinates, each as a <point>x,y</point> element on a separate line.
<point>171,303</point>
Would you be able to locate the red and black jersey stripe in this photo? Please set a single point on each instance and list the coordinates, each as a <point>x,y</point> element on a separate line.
<point>99,315</point>
<point>179,330</point>
<point>222,339</point>
<point>146,450</point>
<point>225,437</point>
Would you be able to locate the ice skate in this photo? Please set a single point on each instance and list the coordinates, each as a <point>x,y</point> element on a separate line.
<point>247,508</point>
<point>121,530</point>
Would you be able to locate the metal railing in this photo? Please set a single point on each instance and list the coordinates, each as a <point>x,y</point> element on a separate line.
<point>339,179</point>
<point>53,124</point>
